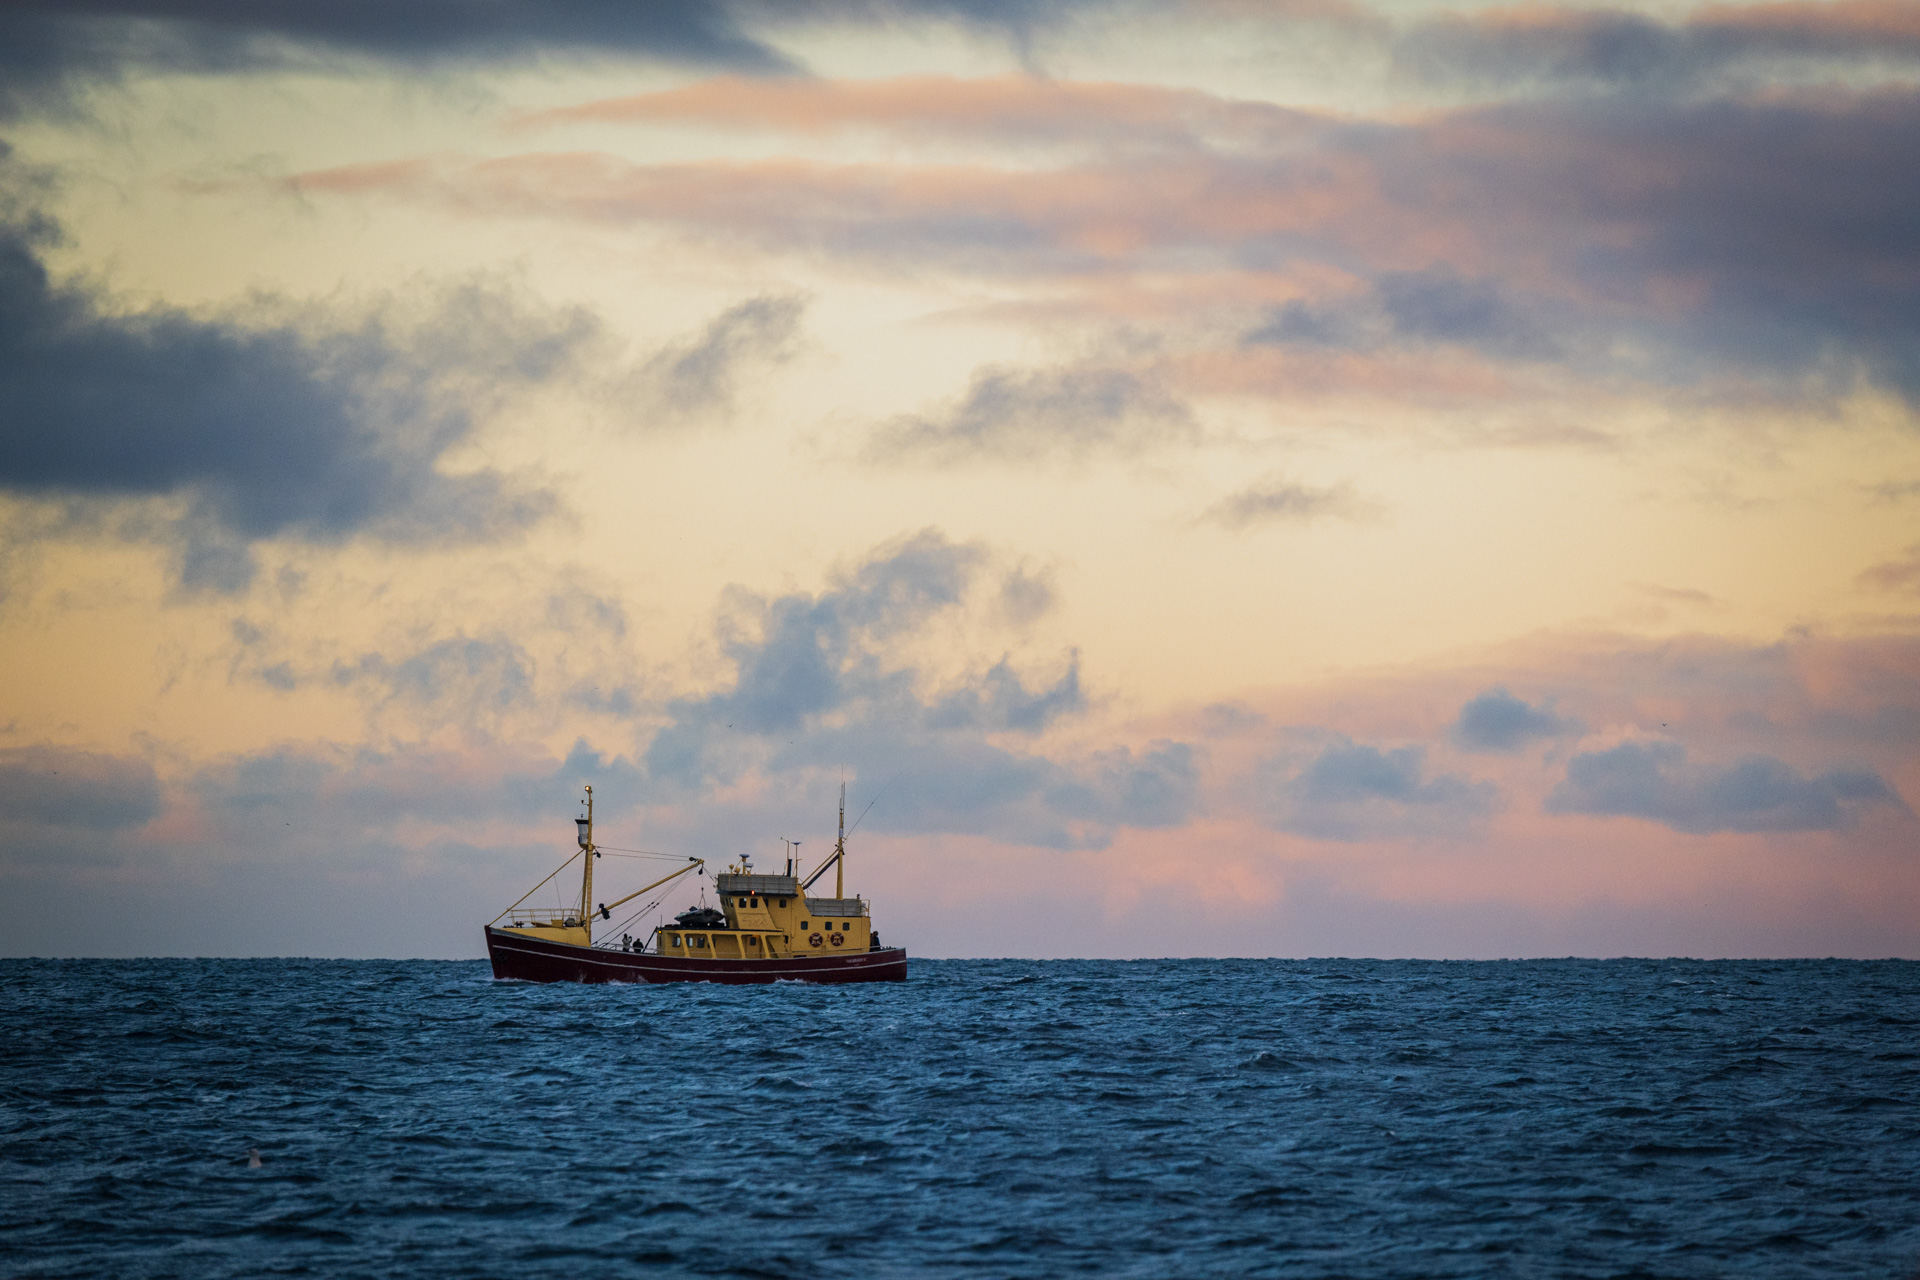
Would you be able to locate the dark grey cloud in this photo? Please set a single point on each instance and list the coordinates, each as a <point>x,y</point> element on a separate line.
<point>1655,781</point>
<point>53,786</point>
<point>1354,791</point>
<point>49,48</point>
<point>1037,415</point>
<point>703,376</point>
<point>1620,49</point>
<point>815,686</point>
<point>1772,239</point>
<point>1498,721</point>
<point>267,430</point>
<point>1278,501</point>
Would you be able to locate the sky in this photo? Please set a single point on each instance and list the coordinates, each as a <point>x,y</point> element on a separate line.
<point>1303,478</point>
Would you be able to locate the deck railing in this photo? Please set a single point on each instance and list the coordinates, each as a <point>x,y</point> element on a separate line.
<point>553,917</point>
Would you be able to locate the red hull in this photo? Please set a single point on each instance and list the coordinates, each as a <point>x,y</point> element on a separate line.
<point>539,960</point>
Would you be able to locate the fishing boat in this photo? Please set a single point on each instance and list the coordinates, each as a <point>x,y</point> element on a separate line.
<point>766,928</point>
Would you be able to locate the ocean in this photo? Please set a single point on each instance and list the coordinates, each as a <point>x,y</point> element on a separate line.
<point>987,1118</point>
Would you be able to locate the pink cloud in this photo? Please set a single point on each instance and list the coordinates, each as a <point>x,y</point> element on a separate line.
<point>1002,109</point>
<point>1625,243</point>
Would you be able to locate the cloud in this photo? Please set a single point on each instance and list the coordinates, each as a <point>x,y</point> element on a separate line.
<point>1498,721</point>
<point>1895,575</point>
<point>468,680</point>
<point>1001,700</point>
<point>1654,781</point>
<point>1000,109</point>
<point>1275,501</point>
<point>1434,305</point>
<point>549,655</point>
<point>1894,492</point>
<point>1690,596</point>
<point>1745,242</point>
<point>818,683</point>
<point>48,48</point>
<point>799,656</point>
<point>1066,414</point>
<point>1619,49</point>
<point>960,785</point>
<point>53,786</point>
<point>1025,597</point>
<point>265,430</point>
<point>704,376</point>
<point>1352,791</point>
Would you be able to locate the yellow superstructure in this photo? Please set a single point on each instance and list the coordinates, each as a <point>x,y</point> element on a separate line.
<point>770,916</point>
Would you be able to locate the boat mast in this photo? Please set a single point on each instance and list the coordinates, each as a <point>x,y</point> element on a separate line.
<point>586,876</point>
<point>840,849</point>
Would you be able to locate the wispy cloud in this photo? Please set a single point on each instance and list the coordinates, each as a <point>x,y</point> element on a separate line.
<point>1629,241</point>
<point>1036,415</point>
<point>1281,501</point>
<point>1002,109</point>
<point>1895,575</point>
<point>704,376</point>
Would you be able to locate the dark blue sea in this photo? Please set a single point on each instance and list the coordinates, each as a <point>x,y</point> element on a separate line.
<point>1165,1118</point>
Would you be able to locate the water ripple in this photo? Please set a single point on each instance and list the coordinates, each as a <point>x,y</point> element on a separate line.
<point>1148,1119</point>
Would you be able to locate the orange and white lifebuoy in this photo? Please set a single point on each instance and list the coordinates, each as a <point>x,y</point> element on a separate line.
<point>814,941</point>
<point>839,939</point>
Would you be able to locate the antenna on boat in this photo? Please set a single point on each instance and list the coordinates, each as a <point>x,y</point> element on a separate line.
<point>586,880</point>
<point>876,800</point>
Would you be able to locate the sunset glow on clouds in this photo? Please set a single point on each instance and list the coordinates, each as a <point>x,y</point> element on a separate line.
<point>1242,479</point>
